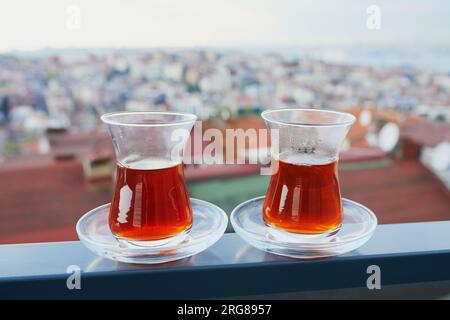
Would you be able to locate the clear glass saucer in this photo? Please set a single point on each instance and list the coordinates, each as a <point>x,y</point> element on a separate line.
<point>209,224</point>
<point>358,225</point>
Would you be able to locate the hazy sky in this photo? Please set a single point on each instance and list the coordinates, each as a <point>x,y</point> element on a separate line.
<point>33,24</point>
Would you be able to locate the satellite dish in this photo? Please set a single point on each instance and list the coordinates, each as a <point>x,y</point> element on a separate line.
<point>365,118</point>
<point>440,156</point>
<point>388,136</point>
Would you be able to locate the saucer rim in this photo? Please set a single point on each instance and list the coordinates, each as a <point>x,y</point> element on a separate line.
<point>285,244</point>
<point>112,246</point>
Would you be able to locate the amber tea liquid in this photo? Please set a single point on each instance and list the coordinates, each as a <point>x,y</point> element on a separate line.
<point>150,201</point>
<point>304,198</point>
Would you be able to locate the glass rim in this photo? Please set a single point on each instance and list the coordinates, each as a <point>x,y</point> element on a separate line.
<point>113,118</point>
<point>351,118</point>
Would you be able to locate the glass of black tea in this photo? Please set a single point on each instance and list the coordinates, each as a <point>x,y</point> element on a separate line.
<point>303,196</point>
<point>150,200</point>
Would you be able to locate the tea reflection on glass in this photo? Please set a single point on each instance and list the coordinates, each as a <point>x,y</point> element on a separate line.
<point>303,196</point>
<point>150,200</point>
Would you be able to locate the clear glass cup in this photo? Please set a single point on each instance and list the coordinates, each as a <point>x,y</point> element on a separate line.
<point>303,196</point>
<point>150,200</point>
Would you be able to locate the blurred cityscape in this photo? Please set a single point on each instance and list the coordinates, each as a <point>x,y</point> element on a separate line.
<point>56,160</point>
<point>71,89</point>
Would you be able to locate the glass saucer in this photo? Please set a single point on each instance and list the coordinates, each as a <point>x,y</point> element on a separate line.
<point>358,225</point>
<point>209,224</point>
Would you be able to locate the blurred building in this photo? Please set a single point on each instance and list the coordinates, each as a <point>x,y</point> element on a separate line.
<point>44,196</point>
<point>56,162</point>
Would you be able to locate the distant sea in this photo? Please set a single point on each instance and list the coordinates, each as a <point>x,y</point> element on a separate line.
<point>436,60</point>
<point>431,58</point>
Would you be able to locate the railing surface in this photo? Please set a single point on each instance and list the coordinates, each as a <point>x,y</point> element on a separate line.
<point>406,254</point>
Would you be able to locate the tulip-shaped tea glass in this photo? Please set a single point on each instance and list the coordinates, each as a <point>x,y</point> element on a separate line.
<point>151,218</point>
<point>302,214</point>
<point>150,200</point>
<point>303,195</point>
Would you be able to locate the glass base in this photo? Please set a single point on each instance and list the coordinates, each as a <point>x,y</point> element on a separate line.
<point>358,225</point>
<point>209,224</point>
<point>277,234</point>
<point>176,239</point>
